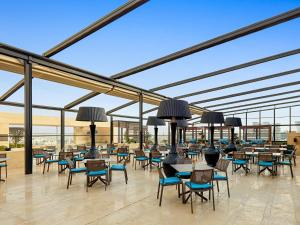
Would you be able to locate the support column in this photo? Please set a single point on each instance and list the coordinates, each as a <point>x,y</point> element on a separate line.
<point>246,132</point>
<point>62,130</point>
<point>290,119</point>
<point>111,130</point>
<point>274,125</point>
<point>119,140</point>
<point>169,134</point>
<point>259,123</point>
<point>28,116</point>
<point>141,120</point>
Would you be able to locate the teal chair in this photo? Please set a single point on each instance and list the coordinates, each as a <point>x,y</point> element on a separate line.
<point>73,170</point>
<point>62,160</point>
<point>118,167</point>
<point>240,161</point>
<point>122,154</point>
<point>221,173</point>
<point>48,161</point>
<point>38,155</point>
<point>96,170</point>
<point>288,161</point>
<point>201,181</point>
<point>3,164</point>
<point>267,162</point>
<point>141,158</point>
<point>167,181</point>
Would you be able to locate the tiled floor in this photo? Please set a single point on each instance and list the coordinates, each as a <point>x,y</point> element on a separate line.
<point>44,199</point>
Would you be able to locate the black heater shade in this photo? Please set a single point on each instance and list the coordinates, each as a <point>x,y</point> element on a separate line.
<point>175,110</point>
<point>233,122</point>
<point>182,123</point>
<point>92,114</point>
<point>212,117</point>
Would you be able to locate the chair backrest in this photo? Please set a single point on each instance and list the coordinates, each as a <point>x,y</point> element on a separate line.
<point>139,153</point>
<point>162,148</point>
<point>274,150</point>
<point>122,150</point>
<point>104,155</point>
<point>38,151</point>
<point>222,165</point>
<point>65,155</point>
<point>81,147</point>
<point>3,155</point>
<point>202,176</point>
<point>181,151</point>
<point>239,155</point>
<point>265,157</point>
<point>156,154</point>
<point>70,163</point>
<point>95,165</point>
<point>160,173</point>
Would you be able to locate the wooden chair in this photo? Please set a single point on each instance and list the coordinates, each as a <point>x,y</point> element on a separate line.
<point>201,181</point>
<point>167,181</point>
<point>222,166</point>
<point>47,161</point>
<point>72,170</point>
<point>96,169</point>
<point>266,161</point>
<point>288,161</point>
<point>122,154</point>
<point>3,164</point>
<point>38,155</point>
<point>156,159</point>
<point>62,160</point>
<point>240,160</point>
<point>141,158</point>
<point>119,167</point>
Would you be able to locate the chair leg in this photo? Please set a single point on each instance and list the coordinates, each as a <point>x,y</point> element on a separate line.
<point>87,183</point>
<point>213,197</point>
<point>135,165</point>
<point>291,168</point>
<point>228,192</point>
<point>161,194</point>
<point>192,202</point>
<point>110,175</point>
<point>69,178</point>
<point>218,186</point>
<point>158,190</point>
<point>48,167</point>
<point>44,167</point>
<point>178,190</point>
<point>6,171</point>
<point>126,176</point>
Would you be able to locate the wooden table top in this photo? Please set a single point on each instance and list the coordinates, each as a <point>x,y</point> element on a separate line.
<point>189,167</point>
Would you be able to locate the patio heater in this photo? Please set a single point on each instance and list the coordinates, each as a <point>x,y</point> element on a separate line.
<point>232,122</point>
<point>154,121</point>
<point>212,154</point>
<point>92,114</point>
<point>182,125</point>
<point>174,110</point>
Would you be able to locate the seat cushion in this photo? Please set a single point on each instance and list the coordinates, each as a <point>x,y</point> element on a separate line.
<point>142,158</point>
<point>228,158</point>
<point>122,154</point>
<point>38,156</point>
<point>78,170</point>
<point>192,153</point>
<point>63,162</point>
<point>219,177</point>
<point>78,158</point>
<point>264,163</point>
<point>156,160</point>
<point>96,173</point>
<point>192,185</point>
<point>51,160</point>
<point>239,161</point>
<point>285,162</point>
<point>3,165</point>
<point>184,174</point>
<point>117,167</point>
<point>169,180</point>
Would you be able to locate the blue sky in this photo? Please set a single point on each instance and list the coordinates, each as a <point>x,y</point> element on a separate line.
<point>157,28</point>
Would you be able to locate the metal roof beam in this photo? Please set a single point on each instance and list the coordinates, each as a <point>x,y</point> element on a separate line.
<point>102,22</point>
<point>247,92</point>
<point>275,75</point>
<point>281,18</point>
<point>258,103</point>
<point>81,99</point>
<point>12,90</point>
<point>255,98</point>
<point>262,106</point>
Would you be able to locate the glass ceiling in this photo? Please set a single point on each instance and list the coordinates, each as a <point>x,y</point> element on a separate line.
<point>151,31</point>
